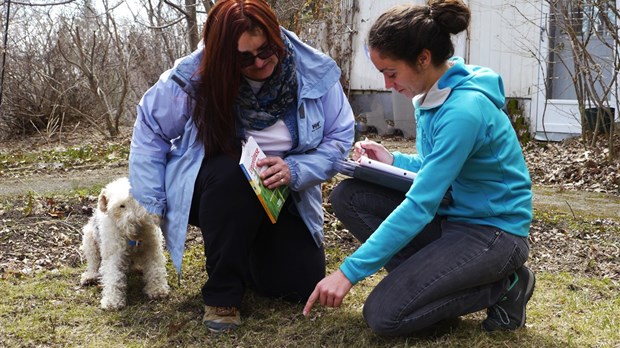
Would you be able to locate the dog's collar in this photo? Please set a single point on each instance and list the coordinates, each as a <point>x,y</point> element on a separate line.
<point>134,243</point>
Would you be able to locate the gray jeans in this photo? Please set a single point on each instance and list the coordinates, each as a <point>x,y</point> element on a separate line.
<point>449,269</point>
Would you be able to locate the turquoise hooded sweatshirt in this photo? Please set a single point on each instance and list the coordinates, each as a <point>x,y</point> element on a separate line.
<point>465,144</point>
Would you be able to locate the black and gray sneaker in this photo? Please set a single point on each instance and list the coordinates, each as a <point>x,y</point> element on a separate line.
<point>509,312</point>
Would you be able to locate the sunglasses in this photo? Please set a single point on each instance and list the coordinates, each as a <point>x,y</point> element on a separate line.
<point>247,59</point>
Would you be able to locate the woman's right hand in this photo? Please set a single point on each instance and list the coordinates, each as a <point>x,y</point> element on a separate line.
<point>372,150</point>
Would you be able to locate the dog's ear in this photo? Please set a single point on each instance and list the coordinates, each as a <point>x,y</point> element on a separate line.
<point>103,201</point>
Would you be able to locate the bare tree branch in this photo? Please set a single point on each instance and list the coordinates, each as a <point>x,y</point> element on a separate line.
<point>189,13</point>
<point>176,7</point>
<point>164,26</point>
<point>41,4</point>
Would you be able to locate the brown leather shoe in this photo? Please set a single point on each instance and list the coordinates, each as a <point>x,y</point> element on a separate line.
<point>221,319</point>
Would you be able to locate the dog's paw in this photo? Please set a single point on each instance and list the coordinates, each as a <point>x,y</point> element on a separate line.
<point>88,279</point>
<point>112,304</point>
<point>158,292</point>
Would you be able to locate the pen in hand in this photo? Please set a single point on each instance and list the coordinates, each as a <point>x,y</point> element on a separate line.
<point>363,150</point>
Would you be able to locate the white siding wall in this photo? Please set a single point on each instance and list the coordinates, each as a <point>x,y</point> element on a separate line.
<point>364,76</point>
<point>508,36</point>
<point>505,37</point>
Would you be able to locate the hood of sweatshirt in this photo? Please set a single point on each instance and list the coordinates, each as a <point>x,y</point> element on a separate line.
<point>463,77</point>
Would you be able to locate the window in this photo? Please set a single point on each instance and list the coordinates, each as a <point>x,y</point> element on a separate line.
<point>579,28</point>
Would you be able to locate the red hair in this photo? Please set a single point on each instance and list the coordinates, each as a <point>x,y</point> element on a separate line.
<point>220,73</point>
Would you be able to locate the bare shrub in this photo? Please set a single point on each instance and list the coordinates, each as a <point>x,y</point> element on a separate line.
<point>79,65</point>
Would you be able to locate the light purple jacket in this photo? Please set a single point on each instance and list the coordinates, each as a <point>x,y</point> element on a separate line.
<point>165,154</point>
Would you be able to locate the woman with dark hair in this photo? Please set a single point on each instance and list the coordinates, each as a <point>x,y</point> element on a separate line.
<point>251,78</point>
<point>443,260</point>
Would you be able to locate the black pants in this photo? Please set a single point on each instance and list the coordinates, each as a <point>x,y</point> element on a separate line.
<point>243,248</point>
<point>449,269</point>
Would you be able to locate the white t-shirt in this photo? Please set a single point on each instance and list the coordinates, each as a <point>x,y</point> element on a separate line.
<point>274,140</point>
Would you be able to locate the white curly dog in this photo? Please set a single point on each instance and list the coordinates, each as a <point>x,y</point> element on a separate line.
<point>122,235</point>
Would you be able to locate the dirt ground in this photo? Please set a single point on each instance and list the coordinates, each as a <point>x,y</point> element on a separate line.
<point>41,215</point>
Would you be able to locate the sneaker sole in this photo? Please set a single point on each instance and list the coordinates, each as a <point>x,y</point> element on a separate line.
<point>529,291</point>
<point>221,328</point>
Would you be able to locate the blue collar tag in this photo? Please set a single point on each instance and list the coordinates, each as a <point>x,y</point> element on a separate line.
<point>134,243</point>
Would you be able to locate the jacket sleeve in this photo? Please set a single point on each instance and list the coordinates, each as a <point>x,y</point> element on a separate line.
<point>315,166</point>
<point>162,113</point>
<point>407,161</point>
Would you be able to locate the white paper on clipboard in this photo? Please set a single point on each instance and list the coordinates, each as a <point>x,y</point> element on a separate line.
<point>367,162</point>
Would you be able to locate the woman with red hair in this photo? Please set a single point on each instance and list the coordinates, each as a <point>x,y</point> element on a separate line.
<point>250,78</point>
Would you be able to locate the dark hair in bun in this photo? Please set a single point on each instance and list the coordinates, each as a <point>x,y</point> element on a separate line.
<point>403,31</point>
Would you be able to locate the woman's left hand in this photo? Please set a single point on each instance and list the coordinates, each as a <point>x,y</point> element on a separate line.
<point>329,292</point>
<point>277,173</point>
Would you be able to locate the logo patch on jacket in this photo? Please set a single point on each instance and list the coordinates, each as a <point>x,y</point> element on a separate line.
<point>316,126</point>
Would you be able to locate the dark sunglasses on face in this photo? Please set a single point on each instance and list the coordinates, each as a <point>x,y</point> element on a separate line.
<point>246,59</point>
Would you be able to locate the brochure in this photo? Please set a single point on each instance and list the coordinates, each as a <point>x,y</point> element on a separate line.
<point>271,200</point>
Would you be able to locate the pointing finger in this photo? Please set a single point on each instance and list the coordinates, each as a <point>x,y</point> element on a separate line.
<point>313,297</point>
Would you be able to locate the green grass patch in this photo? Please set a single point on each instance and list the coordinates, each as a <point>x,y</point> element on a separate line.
<point>65,157</point>
<point>579,224</point>
<point>578,311</point>
<point>50,309</point>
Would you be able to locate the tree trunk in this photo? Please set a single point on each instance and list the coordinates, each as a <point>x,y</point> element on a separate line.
<point>192,24</point>
<point>208,4</point>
